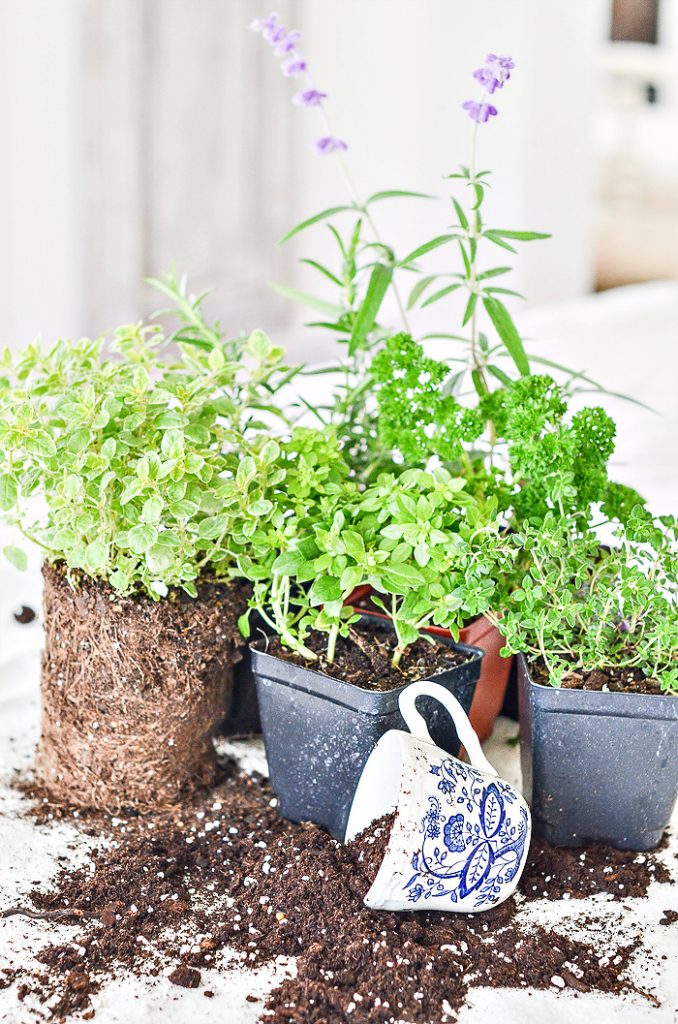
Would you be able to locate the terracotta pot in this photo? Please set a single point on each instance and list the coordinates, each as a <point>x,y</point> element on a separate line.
<point>494,675</point>
<point>494,672</point>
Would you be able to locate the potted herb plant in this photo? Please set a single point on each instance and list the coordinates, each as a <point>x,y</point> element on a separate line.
<point>597,632</point>
<point>486,349</point>
<point>328,679</point>
<point>120,459</point>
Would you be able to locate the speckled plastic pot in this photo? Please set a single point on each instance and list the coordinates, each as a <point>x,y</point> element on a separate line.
<point>242,713</point>
<point>597,766</point>
<point>319,731</point>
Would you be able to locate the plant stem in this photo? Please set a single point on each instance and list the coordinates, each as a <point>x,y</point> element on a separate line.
<point>355,196</point>
<point>332,643</point>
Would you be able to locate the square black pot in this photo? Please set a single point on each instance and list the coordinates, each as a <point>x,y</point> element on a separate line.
<point>242,711</point>
<point>597,767</point>
<point>319,731</point>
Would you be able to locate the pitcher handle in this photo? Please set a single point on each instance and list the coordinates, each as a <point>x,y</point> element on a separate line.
<point>417,725</point>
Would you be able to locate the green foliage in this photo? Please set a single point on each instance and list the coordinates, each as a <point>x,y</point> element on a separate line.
<point>580,606</point>
<point>554,463</point>
<point>550,461</point>
<point>137,456</point>
<point>420,540</point>
<point>416,416</point>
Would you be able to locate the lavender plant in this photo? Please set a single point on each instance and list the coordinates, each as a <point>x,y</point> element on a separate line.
<point>369,269</point>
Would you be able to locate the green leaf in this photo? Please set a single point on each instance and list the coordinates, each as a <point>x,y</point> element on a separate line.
<point>310,221</point>
<point>351,578</point>
<point>440,294</point>
<point>396,193</point>
<point>78,441</point>
<point>435,243</point>
<point>141,538</point>
<point>216,360</point>
<point>400,578</point>
<point>212,528</point>
<point>323,270</point>
<point>470,308</point>
<point>325,590</point>
<point>159,558</point>
<point>16,556</point>
<point>119,580</point>
<point>259,345</point>
<point>287,563</point>
<point>247,470</point>
<point>506,329</point>
<point>354,544</point>
<point>152,509</point>
<point>500,375</point>
<point>304,299</point>
<point>494,272</point>
<point>9,492</point>
<point>520,236</point>
<point>420,287</point>
<point>72,486</point>
<point>96,555</point>
<point>492,236</point>
<point>380,279</point>
<point>463,219</point>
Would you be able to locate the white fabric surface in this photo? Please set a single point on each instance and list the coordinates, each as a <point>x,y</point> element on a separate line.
<point>31,854</point>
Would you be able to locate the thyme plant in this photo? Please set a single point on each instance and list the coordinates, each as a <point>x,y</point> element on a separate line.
<point>580,607</point>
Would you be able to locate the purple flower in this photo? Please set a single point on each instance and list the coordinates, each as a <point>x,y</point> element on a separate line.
<point>309,98</point>
<point>487,79</point>
<point>287,43</point>
<point>505,63</point>
<point>294,67</point>
<point>497,70</point>
<point>479,112</point>
<point>329,144</point>
<point>264,24</point>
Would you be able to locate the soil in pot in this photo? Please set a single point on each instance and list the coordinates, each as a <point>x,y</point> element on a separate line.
<point>364,659</point>
<point>319,729</point>
<point>614,680</point>
<point>133,690</point>
<point>494,673</point>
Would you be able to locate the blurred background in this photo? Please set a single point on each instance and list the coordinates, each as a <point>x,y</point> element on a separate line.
<point>140,132</point>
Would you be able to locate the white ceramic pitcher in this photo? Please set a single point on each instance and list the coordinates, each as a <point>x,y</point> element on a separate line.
<point>461,834</point>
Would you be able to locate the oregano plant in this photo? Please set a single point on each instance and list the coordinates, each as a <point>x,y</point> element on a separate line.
<point>119,456</point>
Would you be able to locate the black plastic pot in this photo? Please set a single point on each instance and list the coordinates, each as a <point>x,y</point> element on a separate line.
<point>597,766</point>
<point>319,731</point>
<point>242,714</point>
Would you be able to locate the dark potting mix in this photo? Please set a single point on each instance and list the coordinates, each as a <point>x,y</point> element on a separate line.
<point>364,658</point>
<point>167,892</point>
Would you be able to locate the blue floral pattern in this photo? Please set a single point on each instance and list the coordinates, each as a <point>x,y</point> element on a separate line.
<point>483,838</point>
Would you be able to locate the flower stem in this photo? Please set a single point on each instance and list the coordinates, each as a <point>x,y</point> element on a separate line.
<point>359,203</point>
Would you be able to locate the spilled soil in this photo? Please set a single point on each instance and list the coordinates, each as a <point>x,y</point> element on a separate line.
<point>168,892</point>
